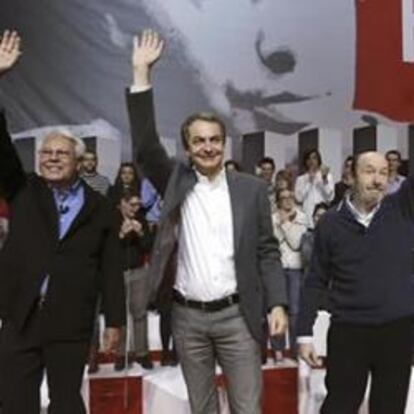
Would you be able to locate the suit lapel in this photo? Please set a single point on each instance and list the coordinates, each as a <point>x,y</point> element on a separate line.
<point>46,203</point>
<point>182,181</point>
<point>237,206</point>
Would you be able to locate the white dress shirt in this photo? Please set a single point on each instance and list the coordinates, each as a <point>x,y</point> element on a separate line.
<point>206,269</point>
<point>310,193</point>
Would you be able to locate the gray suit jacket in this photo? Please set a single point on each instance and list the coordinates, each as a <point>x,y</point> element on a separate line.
<point>260,281</point>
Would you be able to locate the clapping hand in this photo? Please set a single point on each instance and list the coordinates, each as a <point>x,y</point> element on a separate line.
<point>324,172</point>
<point>128,226</point>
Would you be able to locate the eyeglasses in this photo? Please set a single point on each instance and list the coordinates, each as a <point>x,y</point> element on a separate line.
<point>61,154</point>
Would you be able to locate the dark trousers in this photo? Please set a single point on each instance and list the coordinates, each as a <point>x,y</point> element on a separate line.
<point>165,329</point>
<point>354,352</point>
<point>25,356</point>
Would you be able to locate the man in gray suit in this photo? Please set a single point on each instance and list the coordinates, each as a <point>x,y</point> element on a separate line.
<point>218,224</point>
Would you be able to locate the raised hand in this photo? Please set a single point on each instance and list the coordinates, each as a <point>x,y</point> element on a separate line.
<point>9,50</point>
<point>147,50</point>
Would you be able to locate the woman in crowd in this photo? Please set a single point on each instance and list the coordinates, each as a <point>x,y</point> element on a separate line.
<point>315,185</point>
<point>126,180</point>
<point>136,241</point>
<point>283,180</point>
<point>289,225</point>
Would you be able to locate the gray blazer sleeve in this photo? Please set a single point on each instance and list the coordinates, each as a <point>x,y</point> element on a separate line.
<point>270,267</point>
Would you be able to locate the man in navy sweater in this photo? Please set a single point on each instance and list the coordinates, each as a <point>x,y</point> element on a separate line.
<point>363,257</point>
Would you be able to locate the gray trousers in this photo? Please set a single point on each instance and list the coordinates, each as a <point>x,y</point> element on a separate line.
<point>136,287</point>
<point>204,338</point>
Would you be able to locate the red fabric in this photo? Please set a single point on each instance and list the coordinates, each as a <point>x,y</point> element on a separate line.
<point>280,390</point>
<point>384,83</point>
<point>115,395</point>
<point>4,210</point>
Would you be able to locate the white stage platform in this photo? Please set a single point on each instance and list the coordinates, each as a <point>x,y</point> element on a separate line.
<point>163,389</point>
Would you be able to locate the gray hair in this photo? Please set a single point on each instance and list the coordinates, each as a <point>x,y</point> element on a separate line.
<point>78,144</point>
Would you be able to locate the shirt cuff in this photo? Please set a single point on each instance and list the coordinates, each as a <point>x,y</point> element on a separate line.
<point>304,340</point>
<point>138,89</point>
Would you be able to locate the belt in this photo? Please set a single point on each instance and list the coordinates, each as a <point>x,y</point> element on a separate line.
<point>210,306</point>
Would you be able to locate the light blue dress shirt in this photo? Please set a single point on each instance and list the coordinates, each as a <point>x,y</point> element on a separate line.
<point>68,203</point>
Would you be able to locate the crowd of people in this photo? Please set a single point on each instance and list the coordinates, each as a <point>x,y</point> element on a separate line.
<point>216,251</point>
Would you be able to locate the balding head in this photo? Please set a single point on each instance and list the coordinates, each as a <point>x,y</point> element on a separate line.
<point>370,173</point>
<point>373,157</point>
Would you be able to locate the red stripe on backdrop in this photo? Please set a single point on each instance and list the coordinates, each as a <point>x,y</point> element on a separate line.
<point>384,83</point>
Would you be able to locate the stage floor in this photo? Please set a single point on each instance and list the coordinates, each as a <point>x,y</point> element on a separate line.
<point>162,390</point>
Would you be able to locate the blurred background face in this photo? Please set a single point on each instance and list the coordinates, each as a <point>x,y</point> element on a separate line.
<point>281,183</point>
<point>286,200</point>
<point>89,163</point>
<point>394,163</point>
<point>312,162</point>
<point>283,180</point>
<point>127,175</point>
<point>371,178</point>
<point>130,207</point>
<point>347,170</point>
<point>266,171</point>
<point>58,163</point>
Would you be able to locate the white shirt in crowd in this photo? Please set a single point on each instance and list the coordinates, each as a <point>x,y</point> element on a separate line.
<point>310,193</point>
<point>289,235</point>
<point>206,269</point>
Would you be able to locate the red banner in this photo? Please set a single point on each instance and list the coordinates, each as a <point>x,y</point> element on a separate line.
<point>384,82</point>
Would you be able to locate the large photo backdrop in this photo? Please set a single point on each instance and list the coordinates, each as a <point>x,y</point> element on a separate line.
<point>274,65</point>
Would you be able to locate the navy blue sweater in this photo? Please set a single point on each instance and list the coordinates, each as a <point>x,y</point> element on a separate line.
<point>368,272</point>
